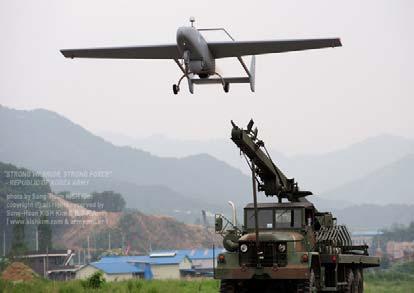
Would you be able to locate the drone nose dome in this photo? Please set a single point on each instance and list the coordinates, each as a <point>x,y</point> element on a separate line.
<point>182,36</point>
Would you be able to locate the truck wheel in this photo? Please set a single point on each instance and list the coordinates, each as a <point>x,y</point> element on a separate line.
<point>308,286</point>
<point>227,286</point>
<point>349,281</point>
<point>358,281</point>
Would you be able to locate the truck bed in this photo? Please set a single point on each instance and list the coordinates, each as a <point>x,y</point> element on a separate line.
<point>363,260</point>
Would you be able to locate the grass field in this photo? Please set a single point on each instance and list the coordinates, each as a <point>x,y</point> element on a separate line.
<point>173,286</point>
<point>207,286</point>
<point>399,279</point>
<point>390,286</point>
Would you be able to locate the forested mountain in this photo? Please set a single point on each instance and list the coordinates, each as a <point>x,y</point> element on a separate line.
<point>18,186</point>
<point>45,141</point>
<point>316,172</point>
<point>375,171</point>
<point>138,230</point>
<point>392,184</point>
<point>326,171</point>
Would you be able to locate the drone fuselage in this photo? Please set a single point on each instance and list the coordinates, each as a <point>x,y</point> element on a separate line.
<point>195,52</point>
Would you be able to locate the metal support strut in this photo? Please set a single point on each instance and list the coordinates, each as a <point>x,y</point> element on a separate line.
<point>256,218</point>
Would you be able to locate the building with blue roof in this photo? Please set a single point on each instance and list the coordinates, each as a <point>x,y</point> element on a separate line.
<point>164,264</point>
<point>170,264</point>
<point>116,271</point>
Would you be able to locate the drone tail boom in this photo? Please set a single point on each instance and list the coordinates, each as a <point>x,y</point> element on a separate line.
<point>252,73</point>
<point>247,79</point>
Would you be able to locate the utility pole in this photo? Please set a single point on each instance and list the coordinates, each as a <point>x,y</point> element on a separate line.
<point>37,239</point>
<point>109,240</point>
<point>4,242</point>
<point>89,252</point>
<point>44,267</point>
<point>47,260</point>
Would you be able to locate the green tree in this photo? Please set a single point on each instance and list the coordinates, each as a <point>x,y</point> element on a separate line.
<point>95,281</point>
<point>112,201</point>
<point>396,233</point>
<point>64,194</point>
<point>44,233</point>
<point>18,243</point>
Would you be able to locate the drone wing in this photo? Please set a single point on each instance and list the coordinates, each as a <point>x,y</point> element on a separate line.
<point>140,52</point>
<point>237,49</point>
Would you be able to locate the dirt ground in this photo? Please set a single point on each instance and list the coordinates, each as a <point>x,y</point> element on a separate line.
<point>18,271</point>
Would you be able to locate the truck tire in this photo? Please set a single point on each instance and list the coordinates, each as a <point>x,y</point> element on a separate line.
<point>227,286</point>
<point>358,281</point>
<point>350,281</point>
<point>309,285</point>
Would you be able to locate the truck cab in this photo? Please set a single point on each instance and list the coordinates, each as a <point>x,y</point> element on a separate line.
<point>285,231</point>
<point>286,240</point>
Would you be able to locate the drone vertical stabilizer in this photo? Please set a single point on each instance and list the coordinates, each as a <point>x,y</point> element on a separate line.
<point>190,84</point>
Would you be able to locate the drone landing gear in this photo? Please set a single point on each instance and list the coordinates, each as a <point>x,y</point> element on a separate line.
<point>176,87</point>
<point>225,84</point>
<point>226,87</point>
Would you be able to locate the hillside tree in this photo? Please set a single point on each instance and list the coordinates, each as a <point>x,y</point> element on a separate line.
<point>112,201</point>
<point>18,241</point>
<point>45,234</point>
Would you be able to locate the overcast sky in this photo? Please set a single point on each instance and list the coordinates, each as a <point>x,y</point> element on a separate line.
<point>309,101</point>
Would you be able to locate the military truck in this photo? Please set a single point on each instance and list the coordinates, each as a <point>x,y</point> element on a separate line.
<point>285,245</point>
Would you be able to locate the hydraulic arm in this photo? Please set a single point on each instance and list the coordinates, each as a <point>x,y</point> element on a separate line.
<point>270,179</point>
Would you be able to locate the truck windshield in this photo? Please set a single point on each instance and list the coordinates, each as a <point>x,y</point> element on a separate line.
<point>287,218</point>
<point>275,218</point>
<point>265,217</point>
